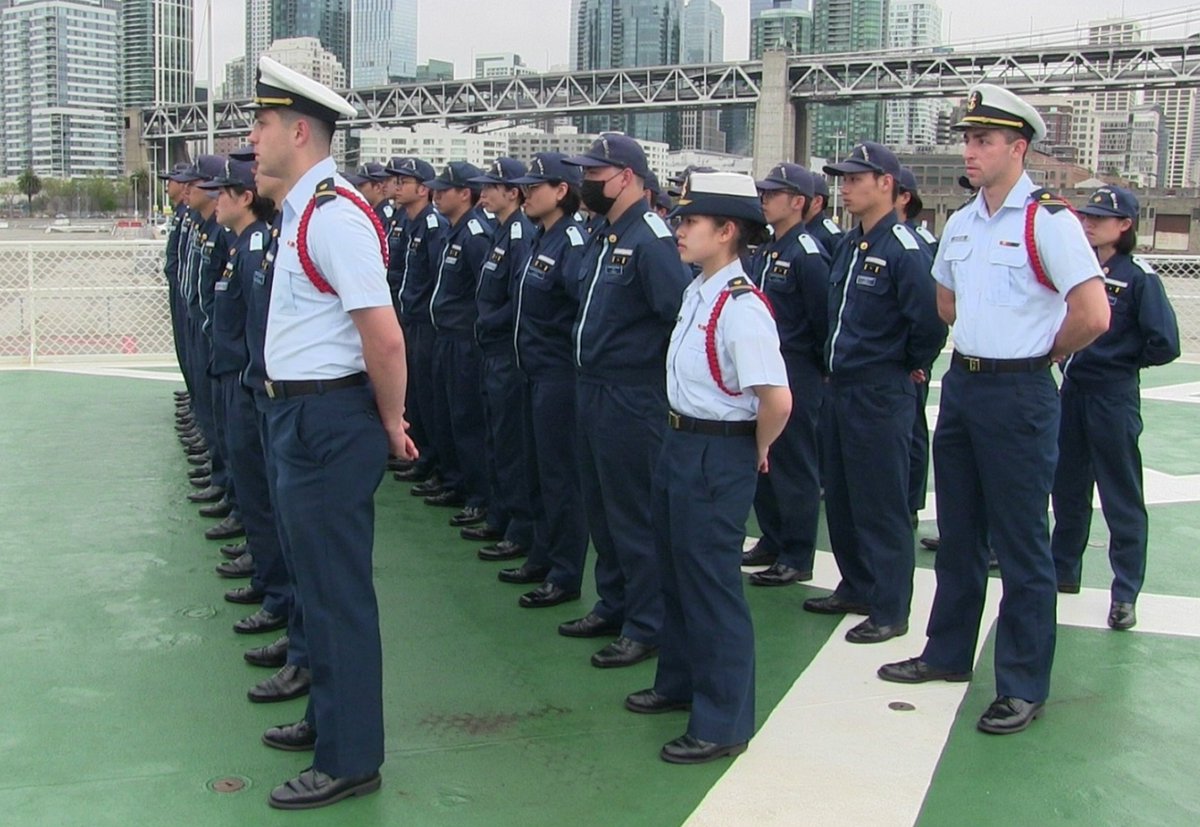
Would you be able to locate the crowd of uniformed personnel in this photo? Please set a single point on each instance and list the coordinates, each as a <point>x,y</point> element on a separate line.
<point>588,358</point>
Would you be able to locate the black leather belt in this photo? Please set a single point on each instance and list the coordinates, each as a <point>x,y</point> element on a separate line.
<point>287,390</point>
<point>709,427</point>
<point>977,364</point>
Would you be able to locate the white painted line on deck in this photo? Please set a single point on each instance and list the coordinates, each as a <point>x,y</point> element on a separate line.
<point>121,372</point>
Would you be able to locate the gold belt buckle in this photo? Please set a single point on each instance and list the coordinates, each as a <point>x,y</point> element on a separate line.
<point>270,388</point>
<point>673,420</point>
<point>973,364</point>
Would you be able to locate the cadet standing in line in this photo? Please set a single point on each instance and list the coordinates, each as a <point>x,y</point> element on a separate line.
<point>175,193</point>
<point>1015,309</point>
<point>883,329</point>
<point>546,305</point>
<point>335,358</point>
<point>631,283</point>
<point>509,522</point>
<point>1102,409</point>
<point>792,269</point>
<point>727,386</point>
<point>817,222</point>
<point>373,181</point>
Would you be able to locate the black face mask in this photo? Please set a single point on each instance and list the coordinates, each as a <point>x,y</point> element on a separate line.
<point>593,197</point>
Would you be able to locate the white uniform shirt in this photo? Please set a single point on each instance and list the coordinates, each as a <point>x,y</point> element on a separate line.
<point>747,346</point>
<point>1002,311</point>
<point>310,334</point>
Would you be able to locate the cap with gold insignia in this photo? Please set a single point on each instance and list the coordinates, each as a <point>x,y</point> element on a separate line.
<point>725,194</point>
<point>1111,202</point>
<point>994,107</point>
<point>411,168</point>
<point>549,166</point>
<point>785,176</point>
<point>279,87</point>
<point>867,157</point>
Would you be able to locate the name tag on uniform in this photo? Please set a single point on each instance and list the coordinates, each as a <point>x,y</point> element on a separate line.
<point>415,242</point>
<point>543,263</point>
<point>620,256</point>
<point>865,281</point>
<point>260,278</point>
<point>452,253</point>
<point>221,286</point>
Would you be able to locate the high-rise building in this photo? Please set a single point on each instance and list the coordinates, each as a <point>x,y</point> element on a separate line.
<point>236,81</point>
<point>782,28</point>
<point>757,7</point>
<point>383,42</point>
<point>435,70</point>
<point>307,56</point>
<point>1105,32</point>
<point>913,25</point>
<point>326,20</point>
<point>258,38</point>
<point>703,41</point>
<point>622,34</point>
<point>501,65</point>
<point>1181,116</point>
<point>61,87</point>
<point>847,26</point>
<point>157,52</point>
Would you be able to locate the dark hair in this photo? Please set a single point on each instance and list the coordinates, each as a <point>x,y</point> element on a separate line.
<point>322,130</point>
<point>914,207</point>
<point>262,207</point>
<point>570,202</point>
<point>895,184</point>
<point>749,233</point>
<point>824,201</point>
<point>1128,240</point>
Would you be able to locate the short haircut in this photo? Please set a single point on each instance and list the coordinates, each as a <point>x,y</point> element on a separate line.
<point>1128,240</point>
<point>322,130</point>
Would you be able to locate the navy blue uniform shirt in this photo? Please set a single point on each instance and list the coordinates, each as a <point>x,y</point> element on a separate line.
<point>214,244</point>
<point>824,230</point>
<point>494,298</point>
<point>416,252</point>
<point>230,299</point>
<point>882,302</point>
<point>546,299</point>
<point>452,305</point>
<point>174,231</point>
<point>257,294</point>
<point>1143,330</point>
<point>794,273</point>
<point>631,286</point>
<point>924,236</point>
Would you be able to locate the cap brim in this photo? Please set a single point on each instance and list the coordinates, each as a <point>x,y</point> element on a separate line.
<point>589,161</point>
<point>357,180</point>
<point>437,185</point>
<point>746,212</point>
<point>526,180</point>
<point>1100,211</point>
<point>482,180</point>
<point>850,167</point>
<point>773,186</point>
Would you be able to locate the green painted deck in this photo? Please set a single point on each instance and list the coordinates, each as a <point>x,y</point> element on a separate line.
<point>123,689</point>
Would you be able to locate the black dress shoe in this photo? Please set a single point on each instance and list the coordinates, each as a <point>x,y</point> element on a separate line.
<point>187,435</point>
<point>931,543</point>
<point>199,459</point>
<point>446,499</point>
<point>209,495</point>
<point>524,574</point>
<point>869,632</point>
<point>201,482</point>
<point>470,515</point>
<point>430,488</point>
<point>481,533</point>
<point>624,651</point>
<point>273,655</point>
<point>649,702</point>
<point>312,789</point>
<point>1007,715</point>
<point>260,621</point>
<point>915,670</point>
<point>196,449</point>
<point>221,508</point>
<point>503,550</point>
<point>298,737</point>
<point>414,473</point>
<point>779,575</point>
<point>547,594</point>
<point>590,625</point>
<point>689,750</point>
<point>199,471</point>
<point>758,556</point>
<point>235,569</point>
<point>233,550</point>
<point>289,682</point>
<point>180,394</point>
<point>834,605</point>
<point>185,424</point>
<point>227,529</point>
<point>397,464</point>
<point>1068,588</point>
<point>247,595</point>
<point>1121,616</point>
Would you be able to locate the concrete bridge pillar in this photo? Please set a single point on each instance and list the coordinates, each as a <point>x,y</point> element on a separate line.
<point>775,130</point>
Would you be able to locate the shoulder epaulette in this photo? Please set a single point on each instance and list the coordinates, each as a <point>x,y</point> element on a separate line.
<point>809,244</point>
<point>929,237</point>
<point>326,192</point>
<point>431,221</point>
<point>1143,265</point>
<point>574,236</point>
<point>1052,202</point>
<point>907,240</point>
<point>831,226</point>
<point>660,228</point>
<point>475,226</point>
<point>739,286</point>
<point>515,232</point>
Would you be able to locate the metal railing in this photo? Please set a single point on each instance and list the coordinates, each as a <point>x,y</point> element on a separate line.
<point>107,300</point>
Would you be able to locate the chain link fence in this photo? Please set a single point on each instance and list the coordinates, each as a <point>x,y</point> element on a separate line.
<point>106,300</point>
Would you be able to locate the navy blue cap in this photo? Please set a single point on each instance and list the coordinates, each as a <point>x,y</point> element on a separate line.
<point>785,176</point>
<point>612,149</point>
<point>206,168</point>
<point>235,174</point>
<point>550,166</point>
<point>181,167</point>
<point>725,194</point>
<point>681,179</point>
<point>243,153</point>
<point>456,175</point>
<point>867,157</point>
<point>906,181</point>
<point>820,185</point>
<point>411,168</point>
<point>502,171</point>
<point>662,201</point>
<point>651,183</point>
<point>1111,202</point>
<point>369,171</point>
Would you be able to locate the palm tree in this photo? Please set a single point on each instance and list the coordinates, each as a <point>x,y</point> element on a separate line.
<point>137,181</point>
<point>29,184</point>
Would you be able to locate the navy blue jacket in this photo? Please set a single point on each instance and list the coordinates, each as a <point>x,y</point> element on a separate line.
<point>494,298</point>
<point>452,304</point>
<point>631,284</point>
<point>416,251</point>
<point>924,236</point>
<point>883,314</point>
<point>175,227</point>
<point>794,273</point>
<point>388,216</point>
<point>1143,330</point>
<point>257,294</point>
<point>211,251</point>
<point>546,299</point>
<point>229,352</point>
<point>824,230</point>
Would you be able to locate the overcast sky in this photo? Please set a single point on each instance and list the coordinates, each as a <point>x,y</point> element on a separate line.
<point>456,30</point>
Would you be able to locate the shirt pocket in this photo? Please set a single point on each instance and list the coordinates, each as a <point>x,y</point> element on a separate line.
<point>779,278</point>
<point>872,291</point>
<point>619,268</point>
<point>1009,275</point>
<point>283,290</point>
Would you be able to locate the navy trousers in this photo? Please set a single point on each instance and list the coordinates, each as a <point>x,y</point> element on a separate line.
<point>560,535</point>
<point>297,653</point>
<point>1098,447</point>
<point>419,402</point>
<point>918,451</point>
<point>204,401</point>
<point>330,452</point>
<point>788,500</point>
<point>504,409</point>
<point>459,429</point>
<point>620,430</point>
<point>703,489</point>
<point>178,311</point>
<point>866,494</point>
<point>248,467</point>
<point>994,452</point>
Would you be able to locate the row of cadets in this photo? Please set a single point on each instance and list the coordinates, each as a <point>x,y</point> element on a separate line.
<point>375,184</point>
<point>792,269</point>
<point>545,288</point>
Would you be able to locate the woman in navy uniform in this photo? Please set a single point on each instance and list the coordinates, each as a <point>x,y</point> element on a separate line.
<point>1101,409</point>
<point>728,390</point>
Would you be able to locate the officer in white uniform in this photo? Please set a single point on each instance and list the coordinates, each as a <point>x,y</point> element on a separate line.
<point>1015,308</point>
<point>336,383</point>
